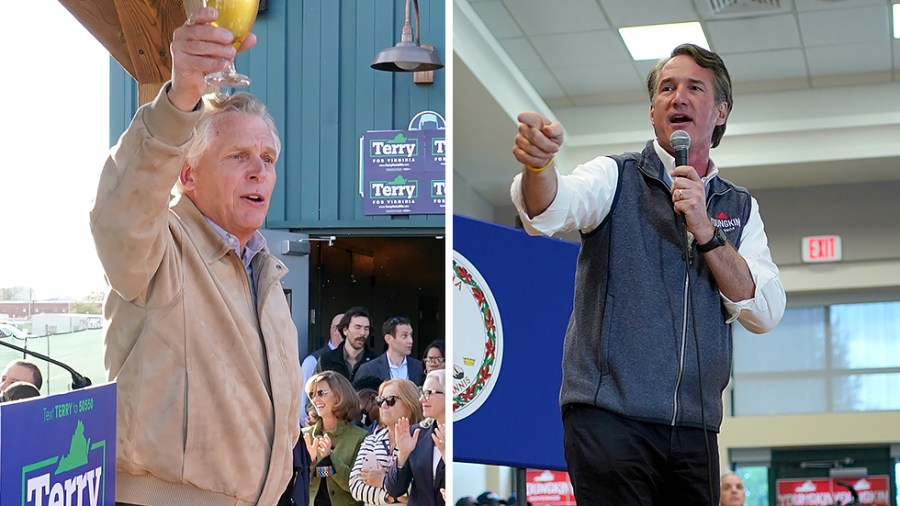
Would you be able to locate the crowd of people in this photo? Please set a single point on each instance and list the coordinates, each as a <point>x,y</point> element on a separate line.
<point>374,429</point>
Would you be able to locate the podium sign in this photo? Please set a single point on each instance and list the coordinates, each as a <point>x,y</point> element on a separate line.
<point>59,449</point>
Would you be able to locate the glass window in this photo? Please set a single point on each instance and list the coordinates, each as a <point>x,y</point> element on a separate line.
<point>819,359</point>
<point>865,335</point>
<point>867,392</point>
<point>897,480</point>
<point>756,483</point>
<point>796,344</point>
<point>780,395</point>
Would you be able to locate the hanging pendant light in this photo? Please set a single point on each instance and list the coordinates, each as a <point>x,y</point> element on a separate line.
<point>407,56</point>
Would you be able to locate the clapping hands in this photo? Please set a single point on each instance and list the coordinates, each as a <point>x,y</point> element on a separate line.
<point>318,447</point>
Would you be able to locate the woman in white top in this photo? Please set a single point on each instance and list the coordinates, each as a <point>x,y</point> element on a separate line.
<point>397,398</point>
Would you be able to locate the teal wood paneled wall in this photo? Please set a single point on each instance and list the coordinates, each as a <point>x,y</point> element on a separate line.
<point>311,66</point>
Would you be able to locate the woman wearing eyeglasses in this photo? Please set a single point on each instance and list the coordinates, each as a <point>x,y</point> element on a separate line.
<point>434,356</point>
<point>420,467</point>
<point>397,398</point>
<point>333,441</point>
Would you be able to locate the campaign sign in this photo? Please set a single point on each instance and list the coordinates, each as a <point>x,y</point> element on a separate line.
<point>59,449</point>
<point>872,490</point>
<point>403,172</point>
<point>549,488</point>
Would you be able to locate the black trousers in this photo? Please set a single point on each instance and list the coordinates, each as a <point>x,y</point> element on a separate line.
<point>624,462</point>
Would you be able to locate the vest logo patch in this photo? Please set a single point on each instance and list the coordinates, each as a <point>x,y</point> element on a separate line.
<point>727,224</point>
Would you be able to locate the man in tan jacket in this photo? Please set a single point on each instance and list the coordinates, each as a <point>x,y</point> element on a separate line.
<point>199,334</point>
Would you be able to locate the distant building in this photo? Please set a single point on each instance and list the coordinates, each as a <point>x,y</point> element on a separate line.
<point>49,324</point>
<point>22,309</point>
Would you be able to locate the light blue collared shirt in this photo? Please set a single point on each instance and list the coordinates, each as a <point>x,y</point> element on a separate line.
<point>256,244</point>
<point>399,371</point>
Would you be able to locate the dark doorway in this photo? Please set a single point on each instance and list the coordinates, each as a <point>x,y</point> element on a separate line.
<point>391,276</point>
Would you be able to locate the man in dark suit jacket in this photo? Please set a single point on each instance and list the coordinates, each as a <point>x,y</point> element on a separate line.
<point>347,358</point>
<point>395,362</point>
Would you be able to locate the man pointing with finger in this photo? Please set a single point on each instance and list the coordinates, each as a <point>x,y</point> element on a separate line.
<point>670,256</point>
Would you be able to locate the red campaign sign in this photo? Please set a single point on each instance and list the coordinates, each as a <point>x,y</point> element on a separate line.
<point>549,488</point>
<point>872,490</point>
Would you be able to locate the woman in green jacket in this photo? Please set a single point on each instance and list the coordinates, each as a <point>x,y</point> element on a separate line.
<point>333,441</point>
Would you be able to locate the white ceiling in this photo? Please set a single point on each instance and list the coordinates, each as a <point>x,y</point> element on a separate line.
<point>816,93</point>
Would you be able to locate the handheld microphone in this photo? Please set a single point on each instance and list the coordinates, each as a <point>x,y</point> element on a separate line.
<point>680,142</point>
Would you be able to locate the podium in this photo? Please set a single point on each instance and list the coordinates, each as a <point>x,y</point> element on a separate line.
<point>59,449</point>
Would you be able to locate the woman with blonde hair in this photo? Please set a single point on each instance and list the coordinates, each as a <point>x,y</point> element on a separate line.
<point>420,466</point>
<point>397,398</point>
<point>334,440</point>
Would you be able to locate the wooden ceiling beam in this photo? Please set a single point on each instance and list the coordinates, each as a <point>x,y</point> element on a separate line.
<point>147,26</point>
<point>101,19</point>
<point>136,33</point>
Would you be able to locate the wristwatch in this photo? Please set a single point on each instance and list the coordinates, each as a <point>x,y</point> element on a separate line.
<point>718,239</point>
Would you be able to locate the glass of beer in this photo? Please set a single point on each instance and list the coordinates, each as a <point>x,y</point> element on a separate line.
<point>237,16</point>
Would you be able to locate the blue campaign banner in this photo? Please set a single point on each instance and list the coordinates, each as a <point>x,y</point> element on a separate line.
<point>59,449</point>
<point>512,300</point>
<point>403,172</point>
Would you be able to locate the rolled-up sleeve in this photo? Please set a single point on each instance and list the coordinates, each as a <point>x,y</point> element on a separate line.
<point>583,199</point>
<point>762,312</point>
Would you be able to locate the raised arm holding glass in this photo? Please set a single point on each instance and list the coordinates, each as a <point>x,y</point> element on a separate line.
<point>199,333</point>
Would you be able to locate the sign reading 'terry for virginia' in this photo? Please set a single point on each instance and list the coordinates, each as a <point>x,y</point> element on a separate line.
<point>403,171</point>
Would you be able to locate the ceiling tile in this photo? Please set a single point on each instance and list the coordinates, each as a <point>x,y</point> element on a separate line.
<point>523,54</point>
<point>848,58</point>
<point>544,83</point>
<point>743,35</point>
<point>583,48</point>
<point>643,68</point>
<point>845,26</point>
<point>497,19</point>
<point>817,5</point>
<point>592,79</point>
<point>648,12</point>
<point>746,9</point>
<point>539,17</point>
<point>766,65</point>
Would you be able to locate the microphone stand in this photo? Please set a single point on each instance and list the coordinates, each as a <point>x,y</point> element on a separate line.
<point>78,381</point>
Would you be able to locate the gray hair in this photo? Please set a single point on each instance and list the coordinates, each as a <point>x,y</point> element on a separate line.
<point>440,376</point>
<point>216,104</point>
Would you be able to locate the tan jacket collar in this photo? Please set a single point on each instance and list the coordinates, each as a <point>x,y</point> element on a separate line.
<point>211,246</point>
